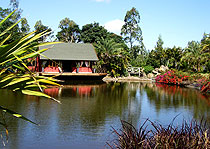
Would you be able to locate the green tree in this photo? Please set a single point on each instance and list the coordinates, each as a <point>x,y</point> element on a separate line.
<point>93,33</point>
<point>70,31</point>
<point>160,52</point>
<point>14,3</point>
<point>157,57</point>
<point>131,30</point>
<point>173,57</point>
<point>139,56</point>
<point>205,44</point>
<point>39,27</point>
<point>193,55</point>
<point>152,59</point>
<point>16,32</point>
<point>115,37</point>
<point>25,28</point>
<point>112,56</point>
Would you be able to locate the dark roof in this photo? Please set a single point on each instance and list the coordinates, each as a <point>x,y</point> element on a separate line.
<point>70,51</point>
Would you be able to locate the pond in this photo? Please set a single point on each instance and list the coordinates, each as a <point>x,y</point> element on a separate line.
<point>89,111</point>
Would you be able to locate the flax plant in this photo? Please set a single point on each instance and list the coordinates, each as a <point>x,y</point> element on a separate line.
<point>14,73</point>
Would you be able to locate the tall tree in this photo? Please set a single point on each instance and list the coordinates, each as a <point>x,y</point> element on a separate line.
<point>39,27</point>
<point>193,55</point>
<point>112,56</point>
<point>14,3</point>
<point>139,56</point>
<point>131,30</point>
<point>205,43</point>
<point>115,37</point>
<point>70,31</point>
<point>160,53</point>
<point>25,28</point>
<point>93,33</point>
<point>152,59</point>
<point>173,57</point>
<point>17,31</point>
<point>157,56</point>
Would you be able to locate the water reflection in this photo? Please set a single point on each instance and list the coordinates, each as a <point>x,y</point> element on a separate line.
<point>175,97</point>
<point>88,111</point>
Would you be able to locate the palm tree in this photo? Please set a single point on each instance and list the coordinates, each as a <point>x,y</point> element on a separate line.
<point>193,55</point>
<point>205,42</point>
<point>112,56</point>
<point>173,56</point>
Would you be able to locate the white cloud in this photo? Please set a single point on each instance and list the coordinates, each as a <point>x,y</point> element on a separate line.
<point>114,26</point>
<point>103,1</point>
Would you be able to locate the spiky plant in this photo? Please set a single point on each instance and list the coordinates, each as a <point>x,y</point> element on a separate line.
<point>14,73</point>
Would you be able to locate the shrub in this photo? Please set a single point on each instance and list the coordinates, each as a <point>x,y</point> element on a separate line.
<point>171,77</point>
<point>148,69</point>
<point>188,135</point>
<point>179,78</point>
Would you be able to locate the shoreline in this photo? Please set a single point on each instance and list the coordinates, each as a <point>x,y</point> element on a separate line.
<point>108,79</point>
<point>126,79</point>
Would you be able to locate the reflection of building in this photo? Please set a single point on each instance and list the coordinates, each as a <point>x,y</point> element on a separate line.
<point>54,92</point>
<point>82,91</point>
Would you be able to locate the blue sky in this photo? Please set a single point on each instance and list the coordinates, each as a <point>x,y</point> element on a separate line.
<point>177,21</point>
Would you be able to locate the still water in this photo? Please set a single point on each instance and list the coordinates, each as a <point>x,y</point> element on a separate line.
<point>90,110</point>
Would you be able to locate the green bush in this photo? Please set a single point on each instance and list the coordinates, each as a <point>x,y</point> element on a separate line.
<point>148,69</point>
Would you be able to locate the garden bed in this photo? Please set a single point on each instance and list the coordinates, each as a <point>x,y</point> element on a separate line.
<point>198,81</point>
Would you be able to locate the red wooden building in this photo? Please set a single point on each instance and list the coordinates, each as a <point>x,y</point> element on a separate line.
<point>67,58</point>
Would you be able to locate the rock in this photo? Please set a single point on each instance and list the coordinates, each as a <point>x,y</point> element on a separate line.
<point>166,68</point>
<point>126,79</point>
<point>144,75</point>
<point>150,75</point>
<point>155,72</point>
<point>163,68</point>
<point>109,79</point>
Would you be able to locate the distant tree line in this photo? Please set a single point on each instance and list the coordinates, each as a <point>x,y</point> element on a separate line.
<point>117,52</point>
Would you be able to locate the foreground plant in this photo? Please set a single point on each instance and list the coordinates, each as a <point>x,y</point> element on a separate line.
<point>188,135</point>
<point>130,137</point>
<point>14,73</point>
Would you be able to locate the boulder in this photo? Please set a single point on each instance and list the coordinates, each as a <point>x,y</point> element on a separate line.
<point>163,68</point>
<point>150,75</point>
<point>144,75</point>
<point>155,72</point>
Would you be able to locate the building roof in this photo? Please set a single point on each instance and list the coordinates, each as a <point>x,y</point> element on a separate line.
<point>70,51</point>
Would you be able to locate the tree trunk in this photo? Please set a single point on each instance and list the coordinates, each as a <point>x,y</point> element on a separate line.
<point>198,67</point>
